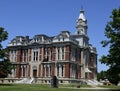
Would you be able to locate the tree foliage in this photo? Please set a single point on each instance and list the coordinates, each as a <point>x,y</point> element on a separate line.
<point>5,65</point>
<point>112,32</point>
<point>102,75</point>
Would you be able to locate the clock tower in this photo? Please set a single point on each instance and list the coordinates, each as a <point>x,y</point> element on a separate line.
<point>81,24</point>
<point>81,29</point>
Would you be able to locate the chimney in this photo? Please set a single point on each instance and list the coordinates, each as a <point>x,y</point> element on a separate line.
<point>27,37</point>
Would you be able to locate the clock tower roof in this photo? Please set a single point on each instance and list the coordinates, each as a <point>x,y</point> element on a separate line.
<point>81,15</point>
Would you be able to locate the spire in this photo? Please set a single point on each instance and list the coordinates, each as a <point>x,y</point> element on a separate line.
<point>82,16</point>
<point>81,23</point>
<point>81,7</point>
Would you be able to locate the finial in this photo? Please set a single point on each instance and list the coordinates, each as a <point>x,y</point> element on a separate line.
<point>81,7</point>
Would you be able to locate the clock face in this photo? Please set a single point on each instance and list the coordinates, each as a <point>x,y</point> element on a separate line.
<point>81,30</point>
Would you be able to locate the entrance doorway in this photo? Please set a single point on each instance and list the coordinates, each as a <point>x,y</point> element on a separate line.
<point>34,71</point>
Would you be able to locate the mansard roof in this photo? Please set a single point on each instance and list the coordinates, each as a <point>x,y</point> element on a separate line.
<point>38,39</point>
<point>78,36</point>
<point>19,40</point>
<point>92,49</point>
<point>63,34</point>
<point>41,38</point>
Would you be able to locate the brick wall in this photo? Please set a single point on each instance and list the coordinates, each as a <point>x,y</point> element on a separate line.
<point>18,71</point>
<point>30,52</point>
<point>67,70</point>
<point>92,57</point>
<point>53,69</point>
<point>92,74</point>
<point>19,55</point>
<point>67,52</point>
<point>39,71</point>
<point>29,70</point>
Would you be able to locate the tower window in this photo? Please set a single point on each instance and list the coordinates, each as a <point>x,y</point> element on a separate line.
<point>81,30</point>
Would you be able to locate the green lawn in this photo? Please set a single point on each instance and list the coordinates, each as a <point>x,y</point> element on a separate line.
<point>42,87</point>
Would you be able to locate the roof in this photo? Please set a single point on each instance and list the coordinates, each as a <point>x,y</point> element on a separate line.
<point>82,16</point>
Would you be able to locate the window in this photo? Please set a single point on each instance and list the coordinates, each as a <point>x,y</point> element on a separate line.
<point>63,39</point>
<point>35,54</point>
<point>62,70</point>
<point>13,56</point>
<point>62,52</point>
<point>58,53</point>
<point>58,70</point>
<point>58,39</point>
<point>51,54</point>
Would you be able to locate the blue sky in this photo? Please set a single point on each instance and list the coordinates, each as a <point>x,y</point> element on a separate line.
<point>30,17</point>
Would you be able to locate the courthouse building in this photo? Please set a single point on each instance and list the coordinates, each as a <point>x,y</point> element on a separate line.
<point>68,56</point>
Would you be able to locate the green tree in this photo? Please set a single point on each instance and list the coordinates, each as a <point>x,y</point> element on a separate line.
<point>5,65</point>
<point>102,75</point>
<point>112,32</point>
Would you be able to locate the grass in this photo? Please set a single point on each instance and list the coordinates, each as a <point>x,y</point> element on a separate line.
<point>110,86</point>
<point>43,87</point>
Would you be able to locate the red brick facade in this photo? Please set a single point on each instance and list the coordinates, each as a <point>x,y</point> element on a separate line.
<point>67,53</point>
<point>67,70</point>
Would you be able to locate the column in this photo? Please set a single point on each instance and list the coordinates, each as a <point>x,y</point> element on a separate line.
<point>55,69</point>
<point>24,70</point>
<point>41,70</point>
<point>56,54</point>
<point>38,54</point>
<point>45,70</point>
<point>12,75</point>
<point>15,56</point>
<point>74,70</point>
<point>21,71</point>
<point>70,70</point>
<point>23,56</point>
<point>60,70</point>
<point>15,72</point>
<point>64,70</point>
<point>48,70</point>
<point>32,54</point>
<point>26,73</point>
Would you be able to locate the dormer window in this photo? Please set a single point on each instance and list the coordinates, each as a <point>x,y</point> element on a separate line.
<point>63,39</point>
<point>78,32</point>
<point>58,39</point>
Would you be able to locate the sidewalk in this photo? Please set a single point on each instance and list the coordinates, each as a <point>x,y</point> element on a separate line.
<point>94,87</point>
